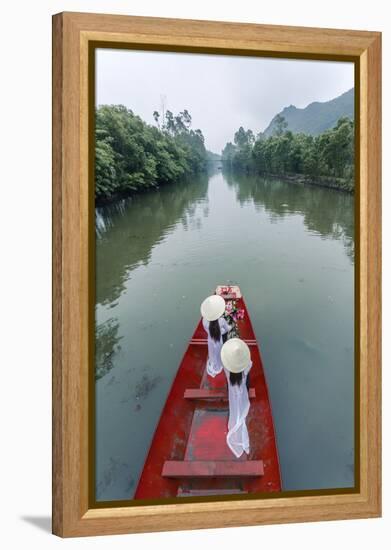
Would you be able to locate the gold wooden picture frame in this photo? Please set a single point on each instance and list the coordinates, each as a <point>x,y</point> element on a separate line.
<point>75,35</point>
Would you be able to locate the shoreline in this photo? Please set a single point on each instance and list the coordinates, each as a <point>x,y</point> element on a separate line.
<point>296,179</point>
<point>303,179</point>
<point>186,179</point>
<point>321,181</point>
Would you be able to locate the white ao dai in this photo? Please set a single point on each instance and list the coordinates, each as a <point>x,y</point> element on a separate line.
<point>239,405</point>
<point>214,365</point>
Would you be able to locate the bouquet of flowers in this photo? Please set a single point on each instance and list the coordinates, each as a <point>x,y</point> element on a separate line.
<point>227,292</point>
<point>232,315</point>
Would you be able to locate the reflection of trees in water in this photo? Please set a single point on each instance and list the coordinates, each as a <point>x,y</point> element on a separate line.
<point>127,231</point>
<point>146,385</point>
<point>106,346</point>
<point>325,211</point>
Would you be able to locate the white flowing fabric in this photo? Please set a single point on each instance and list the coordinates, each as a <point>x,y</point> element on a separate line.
<point>239,405</point>
<point>213,364</point>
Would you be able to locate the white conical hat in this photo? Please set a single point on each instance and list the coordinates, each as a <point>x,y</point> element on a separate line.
<point>212,308</point>
<point>235,355</point>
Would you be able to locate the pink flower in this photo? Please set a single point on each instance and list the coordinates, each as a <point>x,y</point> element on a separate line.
<point>240,314</point>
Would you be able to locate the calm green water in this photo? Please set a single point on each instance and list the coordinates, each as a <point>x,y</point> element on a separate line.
<point>291,250</point>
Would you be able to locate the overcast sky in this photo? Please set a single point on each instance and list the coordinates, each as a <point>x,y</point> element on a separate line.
<point>221,93</point>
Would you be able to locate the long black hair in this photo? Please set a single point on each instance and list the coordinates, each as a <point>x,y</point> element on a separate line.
<point>214,330</point>
<point>235,378</point>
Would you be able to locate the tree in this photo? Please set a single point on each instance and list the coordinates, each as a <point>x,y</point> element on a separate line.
<point>186,117</point>
<point>243,138</point>
<point>228,153</point>
<point>329,155</point>
<point>156,116</point>
<point>169,122</point>
<point>280,125</point>
<point>132,155</point>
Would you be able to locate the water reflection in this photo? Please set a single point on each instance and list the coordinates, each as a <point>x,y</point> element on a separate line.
<point>128,230</point>
<point>291,248</point>
<point>325,211</point>
<point>106,346</point>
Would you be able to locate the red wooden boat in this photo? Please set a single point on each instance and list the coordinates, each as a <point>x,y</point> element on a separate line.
<point>189,455</point>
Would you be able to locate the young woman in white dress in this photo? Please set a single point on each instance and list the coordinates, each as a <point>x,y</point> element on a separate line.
<point>236,360</point>
<point>212,309</point>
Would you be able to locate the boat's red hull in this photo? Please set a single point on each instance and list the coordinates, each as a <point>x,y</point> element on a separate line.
<point>195,430</point>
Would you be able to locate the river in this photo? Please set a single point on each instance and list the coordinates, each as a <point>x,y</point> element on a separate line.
<point>291,250</point>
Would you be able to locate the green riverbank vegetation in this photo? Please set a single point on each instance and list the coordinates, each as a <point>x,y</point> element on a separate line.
<point>131,155</point>
<point>326,159</point>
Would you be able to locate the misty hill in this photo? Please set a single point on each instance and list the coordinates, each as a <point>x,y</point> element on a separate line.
<point>212,156</point>
<point>316,117</point>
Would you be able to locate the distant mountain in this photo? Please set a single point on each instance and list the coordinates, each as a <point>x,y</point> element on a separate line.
<point>316,117</point>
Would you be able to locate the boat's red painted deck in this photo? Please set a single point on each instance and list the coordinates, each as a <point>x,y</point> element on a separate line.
<point>207,436</point>
<point>196,429</point>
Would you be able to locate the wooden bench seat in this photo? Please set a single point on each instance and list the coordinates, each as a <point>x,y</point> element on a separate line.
<point>212,468</point>
<point>208,492</point>
<point>201,393</point>
<point>204,341</point>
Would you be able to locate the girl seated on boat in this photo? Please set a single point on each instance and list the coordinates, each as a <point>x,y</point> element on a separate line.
<point>212,310</point>
<point>236,360</point>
